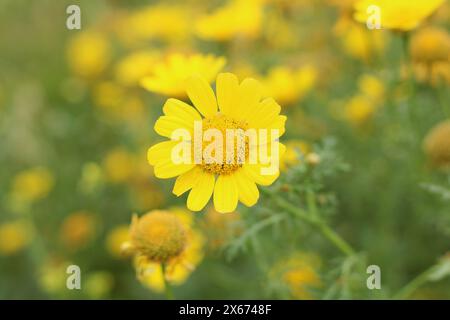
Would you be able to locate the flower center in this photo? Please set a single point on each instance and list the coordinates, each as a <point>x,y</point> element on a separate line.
<point>234,145</point>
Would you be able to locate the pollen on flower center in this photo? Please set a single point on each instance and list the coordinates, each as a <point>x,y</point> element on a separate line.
<point>238,143</point>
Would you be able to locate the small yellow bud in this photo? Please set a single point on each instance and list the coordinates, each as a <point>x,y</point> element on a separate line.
<point>313,159</point>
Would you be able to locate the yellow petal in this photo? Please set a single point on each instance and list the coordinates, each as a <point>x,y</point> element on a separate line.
<point>227,86</point>
<point>186,181</point>
<point>201,95</point>
<point>225,194</point>
<point>166,125</point>
<point>167,169</point>
<point>254,172</point>
<point>201,192</point>
<point>160,152</point>
<point>250,93</point>
<point>181,110</point>
<point>247,189</point>
<point>264,113</point>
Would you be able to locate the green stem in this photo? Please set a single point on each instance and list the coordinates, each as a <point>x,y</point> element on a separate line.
<point>414,284</point>
<point>167,287</point>
<point>313,220</point>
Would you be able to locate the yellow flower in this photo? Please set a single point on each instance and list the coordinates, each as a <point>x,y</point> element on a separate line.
<point>437,144</point>
<point>359,109</point>
<point>171,23</point>
<point>52,275</point>
<point>430,52</point>
<point>169,237</point>
<point>430,45</point>
<point>77,229</point>
<point>98,284</point>
<point>131,69</point>
<point>372,87</point>
<point>32,184</point>
<point>357,41</point>
<point>400,15</point>
<point>88,54</point>
<point>288,86</point>
<point>299,273</point>
<point>294,150</point>
<point>119,165</point>
<point>116,237</point>
<point>157,236</point>
<point>238,108</point>
<point>236,18</point>
<point>108,95</point>
<point>14,236</point>
<point>169,76</point>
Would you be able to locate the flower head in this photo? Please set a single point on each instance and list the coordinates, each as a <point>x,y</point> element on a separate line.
<point>14,236</point>
<point>437,144</point>
<point>168,76</point>
<point>401,15</point>
<point>157,236</point>
<point>167,237</point>
<point>32,184</point>
<point>228,161</point>
<point>430,45</point>
<point>88,54</point>
<point>236,18</point>
<point>288,86</point>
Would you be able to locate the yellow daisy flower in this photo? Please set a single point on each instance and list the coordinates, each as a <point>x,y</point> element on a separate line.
<point>288,86</point>
<point>167,237</point>
<point>32,184</point>
<point>236,18</point>
<point>430,52</point>
<point>401,15</point>
<point>232,170</point>
<point>88,54</point>
<point>14,236</point>
<point>168,77</point>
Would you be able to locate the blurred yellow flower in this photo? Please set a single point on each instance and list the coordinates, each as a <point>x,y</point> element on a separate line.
<point>372,87</point>
<point>169,76</point>
<point>430,53</point>
<point>98,284</point>
<point>52,275</point>
<point>119,165</point>
<point>135,66</point>
<point>359,109</point>
<point>91,178</point>
<point>295,149</point>
<point>437,144</point>
<point>357,41</point>
<point>14,236</point>
<point>171,23</point>
<point>288,86</point>
<point>78,229</point>
<point>237,18</point>
<point>240,107</point>
<point>32,184</point>
<point>116,237</point>
<point>108,95</point>
<point>88,54</point>
<point>167,237</point>
<point>299,273</point>
<point>400,15</point>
